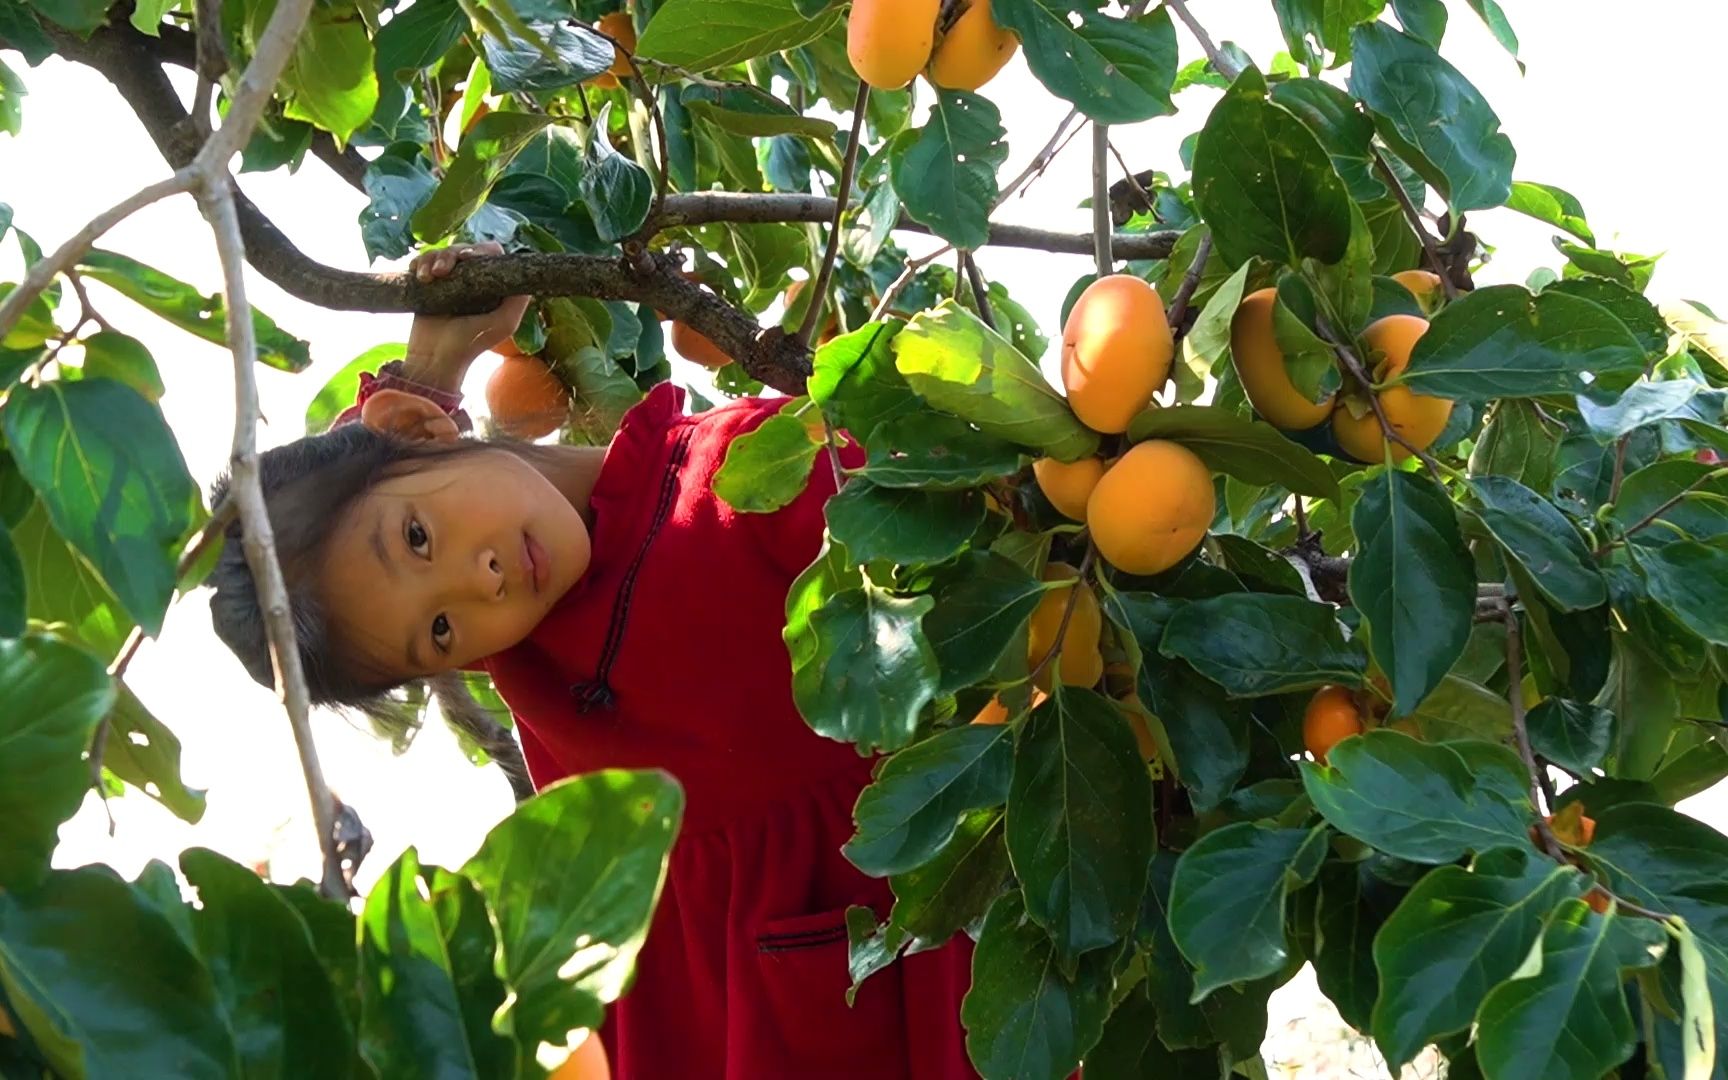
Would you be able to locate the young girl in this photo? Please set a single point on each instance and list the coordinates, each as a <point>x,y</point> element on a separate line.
<point>631,619</point>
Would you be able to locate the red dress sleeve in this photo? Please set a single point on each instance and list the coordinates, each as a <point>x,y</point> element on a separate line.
<point>390,377</point>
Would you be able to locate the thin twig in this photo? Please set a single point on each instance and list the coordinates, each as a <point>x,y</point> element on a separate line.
<point>1354,366</point>
<point>819,298</point>
<point>1669,504</point>
<point>1619,467</point>
<point>1067,613</point>
<point>1040,161</point>
<point>1220,62</point>
<point>1133,181</point>
<point>980,291</point>
<point>1521,731</point>
<point>87,312</point>
<point>645,94</point>
<point>1301,519</point>
<point>831,439</point>
<point>886,304</point>
<point>1178,313</point>
<point>1429,247</point>
<point>1101,225</point>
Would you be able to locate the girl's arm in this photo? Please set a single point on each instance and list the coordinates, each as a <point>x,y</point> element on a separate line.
<point>442,347</point>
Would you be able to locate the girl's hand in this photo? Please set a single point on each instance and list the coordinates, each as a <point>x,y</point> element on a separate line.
<point>441,347</point>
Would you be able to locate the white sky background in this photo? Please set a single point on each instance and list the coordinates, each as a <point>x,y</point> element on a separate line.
<point>1616,107</point>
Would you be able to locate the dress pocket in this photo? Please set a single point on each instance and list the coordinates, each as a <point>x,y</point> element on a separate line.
<point>801,1025</point>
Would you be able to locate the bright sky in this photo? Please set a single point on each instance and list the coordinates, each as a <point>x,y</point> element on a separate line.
<point>1615,108</point>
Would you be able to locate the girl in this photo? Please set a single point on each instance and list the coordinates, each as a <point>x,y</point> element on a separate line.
<point>630,619</point>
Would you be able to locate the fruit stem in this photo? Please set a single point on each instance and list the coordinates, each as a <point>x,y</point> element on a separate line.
<point>1429,247</point>
<point>1101,199</point>
<point>819,298</point>
<point>1301,519</point>
<point>1354,366</point>
<point>1067,613</point>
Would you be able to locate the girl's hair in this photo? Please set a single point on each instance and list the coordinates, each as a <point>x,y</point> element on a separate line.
<point>310,486</point>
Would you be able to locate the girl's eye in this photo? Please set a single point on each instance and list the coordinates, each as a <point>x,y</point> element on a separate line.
<point>418,541</point>
<point>441,632</point>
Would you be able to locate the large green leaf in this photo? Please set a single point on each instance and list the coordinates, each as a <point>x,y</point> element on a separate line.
<point>1413,581</point>
<point>143,752</point>
<point>105,984</point>
<point>61,587</point>
<point>1207,730</point>
<point>1461,709</point>
<point>105,465</point>
<point>1264,184</point>
<point>964,368</point>
<point>981,606</point>
<point>767,468</point>
<point>14,595</point>
<point>953,889</point>
<point>615,189</point>
<point>865,670</point>
<point>1690,580</point>
<point>1515,444</point>
<point>54,695</point>
<point>1080,828</point>
<point>79,16</point>
<point>914,805</point>
<point>1700,514</point>
<point>187,308</point>
<point>1350,907</point>
<point>1249,450</point>
<point>1502,341</point>
<point>1571,734</point>
<point>1569,1019</point>
<point>745,110</point>
<point>398,183</point>
<point>1540,538</point>
<point>700,34</point>
<point>1345,133</point>
<point>557,55</point>
<point>945,176</point>
<point>1131,1049</point>
<point>1115,71</point>
<point>1497,25</point>
<point>330,81</point>
<point>486,149</point>
<point>934,451</point>
<point>569,927</point>
<point>418,35</point>
<point>1227,900</point>
<point>1311,27</point>
<point>1255,644</point>
<point>907,526</point>
<point>427,982</point>
<point>1025,1018</point>
<point>272,991</point>
<point>1456,936</point>
<point>1429,113</point>
<point>1426,802</point>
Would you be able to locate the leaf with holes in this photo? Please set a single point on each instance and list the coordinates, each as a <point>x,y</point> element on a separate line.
<point>143,752</point>
<point>1114,70</point>
<point>945,174</point>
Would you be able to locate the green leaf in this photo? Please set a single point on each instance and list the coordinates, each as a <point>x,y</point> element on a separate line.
<point>182,305</point>
<point>945,176</point>
<point>330,81</point>
<point>426,975</point>
<point>907,526</point>
<point>1424,20</point>
<point>569,928</point>
<point>1690,580</point>
<point>1542,540</point>
<point>1313,26</point>
<point>112,355</point>
<point>1426,802</point>
<point>1698,1016</point>
<point>1249,450</point>
<point>23,32</point>
<point>701,34</point>
<point>522,63</point>
<point>1457,935</point>
<point>397,186</point>
<point>1503,342</point>
<point>1025,1018</point>
<point>143,752</point>
<point>1571,734</point>
<point>55,695</point>
<point>78,16</point>
<point>1700,514</point>
<point>1349,910</point>
<point>1432,117</point>
<point>1497,25</point>
<point>982,605</point>
<point>1646,402</point>
<point>339,393</point>
<point>1256,644</point>
<point>934,451</point>
<point>1264,184</point>
<point>966,369</point>
<point>766,468</point>
<point>745,110</point>
<point>105,984</point>
<point>1115,71</point>
<point>1413,581</point>
<point>417,36</point>
<point>1569,1020</point>
<point>1633,310</point>
<point>1513,443</point>
<point>867,671</point>
<point>12,92</point>
<point>1208,731</point>
<point>13,593</point>
<point>486,149</point>
<point>1342,129</point>
<point>953,890</point>
<point>1227,901</point>
<point>272,992</point>
<point>1209,337</point>
<point>1552,205</point>
<point>914,805</point>
<point>615,189</point>
<point>104,463</point>
<point>1461,709</point>
<point>61,588</point>
<point>1080,828</point>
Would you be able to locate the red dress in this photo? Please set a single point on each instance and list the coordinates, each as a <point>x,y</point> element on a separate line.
<point>668,654</point>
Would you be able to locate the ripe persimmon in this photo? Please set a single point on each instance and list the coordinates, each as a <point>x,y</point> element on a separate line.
<point>1260,368</point>
<point>890,41</point>
<point>692,345</point>
<point>1331,717</point>
<point>973,50</point>
<point>1152,507</point>
<point>526,400</point>
<point>1419,418</point>
<point>1116,351</point>
<point>1081,664</point>
<point>1068,484</point>
<point>587,1062</point>
<point>1425,286</point>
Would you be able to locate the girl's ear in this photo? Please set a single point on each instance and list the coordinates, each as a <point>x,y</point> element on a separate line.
<point>408,416</point>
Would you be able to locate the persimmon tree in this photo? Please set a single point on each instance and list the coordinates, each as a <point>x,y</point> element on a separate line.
<point>1330,611</point>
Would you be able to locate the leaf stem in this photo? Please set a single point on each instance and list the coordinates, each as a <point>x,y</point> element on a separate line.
<point>819,300</point>
<point>1414,216</point>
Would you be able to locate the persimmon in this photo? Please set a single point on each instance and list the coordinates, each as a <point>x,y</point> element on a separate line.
<point>1081,664</point>
<point>890,41</point>
<point>1260,368</point>
<point>1425,286</point>
<point>973,50</point>
<point>587,1062</point>
<point>526,400</point>
<point>1419,418</point>
<point>1068,484</point>
<point>995,712</point>
<point>1599,900</point>
<point>618,26</point>
<point>1116,351</point>
<point>1152,507</point>
<point>694,346</point>
<point>1331,717</point>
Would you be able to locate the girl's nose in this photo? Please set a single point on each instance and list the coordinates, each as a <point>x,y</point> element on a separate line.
<point>489,577</point>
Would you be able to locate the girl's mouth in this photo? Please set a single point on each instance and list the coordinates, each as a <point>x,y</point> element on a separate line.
<point>534,558</point>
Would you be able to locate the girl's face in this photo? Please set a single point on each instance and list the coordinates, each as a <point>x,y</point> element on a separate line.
<point>436,569</point>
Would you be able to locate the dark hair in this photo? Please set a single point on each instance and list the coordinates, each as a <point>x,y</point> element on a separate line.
<point>310,485</point>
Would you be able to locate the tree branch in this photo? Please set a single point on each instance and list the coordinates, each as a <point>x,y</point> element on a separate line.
<point>1178,313</point>
<point>1220,62</point>
<point>1667,505</point>
<point>819,298</point>
<point>1101,200</point>
<point>1414,216</point>
<point>980,291</point>
<point>1520,730</point>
